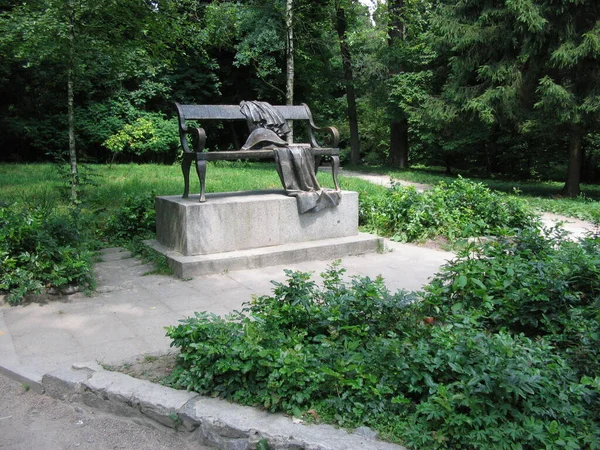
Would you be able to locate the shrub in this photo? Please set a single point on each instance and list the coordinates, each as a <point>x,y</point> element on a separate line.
<point>41,249</point>
<point>354,354</point>
<point>481,390</point>
<point>536,282</point>
<point>135,219</point>
<point>460,209</point>
<point>148,135</point>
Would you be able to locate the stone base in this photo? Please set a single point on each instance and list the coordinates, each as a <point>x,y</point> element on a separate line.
<point>246,230</point>
<point>326,249</point>
<point>236,221</point>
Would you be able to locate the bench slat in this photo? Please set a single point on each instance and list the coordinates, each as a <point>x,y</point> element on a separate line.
<point>252,154</point>
<point>232,112</point>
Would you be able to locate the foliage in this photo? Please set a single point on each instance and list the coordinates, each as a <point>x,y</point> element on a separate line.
<point>132,223</point>
<point>134,219</point>
<point>354,354</point>
<point>41,249</point>
<point>524,73</point>
<point>538,283</point>
<point>459,209</point>
<point>151,133</point>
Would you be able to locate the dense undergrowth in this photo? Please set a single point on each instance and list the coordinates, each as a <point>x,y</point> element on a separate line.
<point>459,209</point>
<point>543,196</point>
<point>43,248</point>
<point>502,350</point>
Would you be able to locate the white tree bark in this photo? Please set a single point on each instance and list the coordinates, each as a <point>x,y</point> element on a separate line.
<point>70,103</point>
<point>289,88</point>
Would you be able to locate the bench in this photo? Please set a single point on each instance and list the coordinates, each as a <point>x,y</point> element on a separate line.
<point>204,113</point>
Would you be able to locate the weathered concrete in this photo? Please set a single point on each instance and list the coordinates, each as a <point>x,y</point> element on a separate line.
<point>249,230</point>
<point>216,422</point>
<point>121,394</point>
<point>126,317</point>
<point>237,221</point>
<point>324,249</point>
<point>127,314</point>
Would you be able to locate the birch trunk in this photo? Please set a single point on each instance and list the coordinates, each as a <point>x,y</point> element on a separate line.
<point>70,105</point>
<point>289,88</point>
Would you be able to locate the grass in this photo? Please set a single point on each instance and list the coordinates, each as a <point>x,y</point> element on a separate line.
<point>36,183</point>
<point>42,184</point>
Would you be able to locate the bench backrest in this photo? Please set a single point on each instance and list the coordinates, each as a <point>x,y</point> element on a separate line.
<point>233,112</point>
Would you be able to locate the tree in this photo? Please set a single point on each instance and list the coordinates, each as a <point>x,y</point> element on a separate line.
<point>75,40</point>
<point>525,67</point>
<point>341,28</point>
<point>289,73</point>
<point>399,125</point>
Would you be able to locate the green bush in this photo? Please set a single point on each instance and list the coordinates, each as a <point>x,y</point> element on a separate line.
<point>134,220</point>
<point>354,354</point>
<point>460,209</point>
<point>41,249</point>
<point>480,391</point>
<point>537,282</point>
<point>149,134</point>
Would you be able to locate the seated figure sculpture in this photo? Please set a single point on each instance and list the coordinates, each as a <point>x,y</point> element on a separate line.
<point>268,127</point>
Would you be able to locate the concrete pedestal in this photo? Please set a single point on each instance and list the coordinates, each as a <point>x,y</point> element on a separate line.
<point>244,230</point>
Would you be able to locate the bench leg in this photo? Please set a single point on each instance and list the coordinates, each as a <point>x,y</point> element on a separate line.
<point>317,163</point>
<point>201,171</point>
<point>335,167</point>
<point>185,168</point>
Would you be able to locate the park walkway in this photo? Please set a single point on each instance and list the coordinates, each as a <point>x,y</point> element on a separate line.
<point>127,314</point>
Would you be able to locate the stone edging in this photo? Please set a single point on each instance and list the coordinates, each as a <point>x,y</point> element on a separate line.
<point>214,422</point>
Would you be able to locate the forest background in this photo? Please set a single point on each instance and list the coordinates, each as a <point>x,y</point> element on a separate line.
<point>507,88</point>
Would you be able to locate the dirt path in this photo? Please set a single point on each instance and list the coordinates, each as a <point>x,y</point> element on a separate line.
<point>30,421</point>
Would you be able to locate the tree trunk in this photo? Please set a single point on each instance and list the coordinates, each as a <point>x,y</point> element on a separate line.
<point>572,188</point>
<point>398,128</point>
<point>349,79</point>
<point>289,87</point>
<point>399,144</point>
<point>70,104</point>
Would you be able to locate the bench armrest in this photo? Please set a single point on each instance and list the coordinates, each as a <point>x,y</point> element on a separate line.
<point>199,141</point>
<point>332,140</point>
<point>198,133</point>
<point>334,135</point>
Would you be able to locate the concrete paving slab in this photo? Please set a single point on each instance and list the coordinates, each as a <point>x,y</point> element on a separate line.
<point>126,316</point>
<point>129,319</point>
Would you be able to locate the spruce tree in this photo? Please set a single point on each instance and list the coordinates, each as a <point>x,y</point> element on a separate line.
<point>525,65</point>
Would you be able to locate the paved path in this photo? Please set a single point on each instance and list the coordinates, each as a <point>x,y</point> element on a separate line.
<point>127,314</point>
<point>384,180</point>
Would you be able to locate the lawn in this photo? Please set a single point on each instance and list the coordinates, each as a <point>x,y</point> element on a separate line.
<point>104,185</point>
